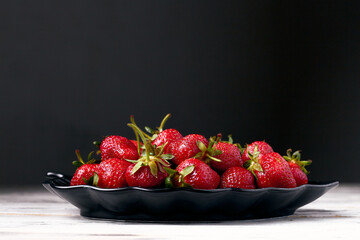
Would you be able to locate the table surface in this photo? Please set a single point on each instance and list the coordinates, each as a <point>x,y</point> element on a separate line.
<point>37,214</point>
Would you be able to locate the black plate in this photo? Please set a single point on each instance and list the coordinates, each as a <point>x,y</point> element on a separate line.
<point>133,203</point>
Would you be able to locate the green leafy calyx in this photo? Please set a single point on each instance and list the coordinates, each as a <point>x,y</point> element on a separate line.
<point>296,158</point>
<point>152,156</point>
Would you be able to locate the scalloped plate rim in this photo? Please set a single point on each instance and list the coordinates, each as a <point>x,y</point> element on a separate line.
<point>324,184</point>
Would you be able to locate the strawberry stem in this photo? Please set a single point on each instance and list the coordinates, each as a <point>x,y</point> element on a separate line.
<point>136,135</point>
<point>148,149</point>
<point>137,130</point>
<point>213,158</point>
<point>133,122</point>
<point>78,155</point>
<point>162,124</point>
<point>230,139</point>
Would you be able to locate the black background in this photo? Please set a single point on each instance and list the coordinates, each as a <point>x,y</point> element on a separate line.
<point>74,71</point>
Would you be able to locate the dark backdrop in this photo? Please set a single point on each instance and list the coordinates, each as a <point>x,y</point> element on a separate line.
<point>74,71</point>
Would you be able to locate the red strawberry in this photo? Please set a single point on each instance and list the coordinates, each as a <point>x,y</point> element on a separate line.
<point>167,136</point>
<point>230,156</point>
<point>271,170</point>
<point>297,167</point>
<point>111,173</point>
<point>148,170</point>
<point>262,148</point>
<point>196,174</point>
<point>118,147</point>
<point>143,177</point>
<point>299,175</point>
<point>85,171</point>
<point>187,147</point>
<point>237,177</point>
<point>160,136</point>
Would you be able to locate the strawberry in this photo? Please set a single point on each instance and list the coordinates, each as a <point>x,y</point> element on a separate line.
<point>187,147</point>
<point>230,156</point>
<point>270,170</point>
<point>237,177</point>
<point>262,148</point>
<point>118,147</point>
<point>168,137</point>
<point>297,167</point>
<point>220,155</point>
<point>111,173</point>
<point>160,136</point>
<point>85,171</point>
<point>143,177</point>
<point>83,174</point>
<point>148,170</point>
<point>193,173</point>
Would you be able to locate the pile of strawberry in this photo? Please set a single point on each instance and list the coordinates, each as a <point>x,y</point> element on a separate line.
<point>164,158</point>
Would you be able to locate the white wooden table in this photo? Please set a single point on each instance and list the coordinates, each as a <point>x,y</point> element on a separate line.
<point>37,214</point>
